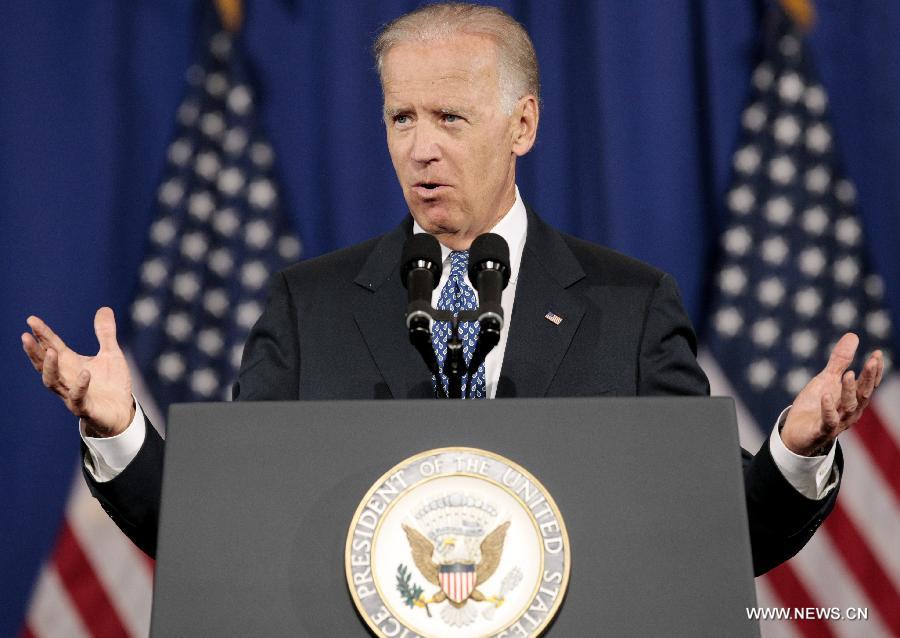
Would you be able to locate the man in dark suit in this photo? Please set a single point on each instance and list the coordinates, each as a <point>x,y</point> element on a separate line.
<point>461,104</point>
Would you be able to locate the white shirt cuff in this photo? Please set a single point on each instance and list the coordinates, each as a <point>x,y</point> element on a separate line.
<point>108,456</point>
<point>812,476</point>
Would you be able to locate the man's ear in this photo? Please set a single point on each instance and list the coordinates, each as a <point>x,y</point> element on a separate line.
<point>526,115</point>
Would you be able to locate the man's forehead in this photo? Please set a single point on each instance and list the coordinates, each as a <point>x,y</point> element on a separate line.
<point>405,86</point>
<point>454,59</point>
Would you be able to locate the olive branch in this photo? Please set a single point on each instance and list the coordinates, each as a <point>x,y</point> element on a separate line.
<point>412,593</point>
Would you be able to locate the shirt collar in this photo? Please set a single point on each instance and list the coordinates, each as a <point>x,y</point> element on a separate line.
<point>513,227</point>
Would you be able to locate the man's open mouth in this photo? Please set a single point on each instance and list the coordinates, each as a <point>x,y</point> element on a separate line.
<point>428,189</point>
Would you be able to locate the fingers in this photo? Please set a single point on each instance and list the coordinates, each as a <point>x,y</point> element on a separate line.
<point>45,336</point>
<point>842,354</point>
<point>50,374</point>
<point>869,377</point>
<point>105,329</point>
<point>848,393</point>
<point>830,417</point>
<point>79,391</point>
<point>34,351</point>
<point>879,356</point>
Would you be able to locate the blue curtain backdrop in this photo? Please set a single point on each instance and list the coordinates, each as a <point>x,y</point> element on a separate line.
<point>641,114</point>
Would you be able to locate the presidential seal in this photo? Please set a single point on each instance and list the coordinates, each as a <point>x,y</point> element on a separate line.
<point>457,543</point>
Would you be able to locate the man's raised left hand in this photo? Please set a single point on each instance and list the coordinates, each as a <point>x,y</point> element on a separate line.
<point>832,401</point>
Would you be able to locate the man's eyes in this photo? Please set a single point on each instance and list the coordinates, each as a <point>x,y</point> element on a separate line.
<point>403,119</point>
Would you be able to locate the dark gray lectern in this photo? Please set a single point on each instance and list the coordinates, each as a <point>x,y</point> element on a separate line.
<point>258,499</point>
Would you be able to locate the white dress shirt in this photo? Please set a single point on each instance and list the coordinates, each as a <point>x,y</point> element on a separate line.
<point>512,227</point>
<point>814,477</point>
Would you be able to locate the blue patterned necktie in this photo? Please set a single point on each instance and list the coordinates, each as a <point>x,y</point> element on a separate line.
<point>457,295</point>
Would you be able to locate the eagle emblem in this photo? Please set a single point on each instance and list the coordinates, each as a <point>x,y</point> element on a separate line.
<point>455,542</point>
<point>455,554</point>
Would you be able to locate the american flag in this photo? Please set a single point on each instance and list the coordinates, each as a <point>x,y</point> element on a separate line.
<point>218,235</point>
<point>794,276</point>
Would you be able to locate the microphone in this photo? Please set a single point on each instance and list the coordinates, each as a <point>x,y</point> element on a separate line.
<point>420,272</point>
<point>489,273</point>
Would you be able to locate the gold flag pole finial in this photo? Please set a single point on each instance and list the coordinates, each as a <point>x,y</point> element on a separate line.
<point>231,13</point>
<point>801,11</point>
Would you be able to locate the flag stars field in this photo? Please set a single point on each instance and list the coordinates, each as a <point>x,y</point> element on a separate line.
<point>787,130</point>
<point>747,159</point>
<point>765,333</point>
<point>779,210</point>
<point>218,204</point>
<point>790,88</point>
<point>733,280</point>
<point>154,272</point>
<point>226,222</point>
<point>804,343</point>
<point>215,302</point>
<point>774,250</point>
<point>847,231</point>
<point>737,241</point>
<point>240,99</point>
<point>812,261</point>
<point>763,76</point>
<point>770,291</point>
<point>817,180</point>
<point>235,141</point>
<point>741,199</point>
<point>815,221</point>
<point>761,373</point>
<point>846,271</point>
<point>782,170</point>
<point>728,321</point>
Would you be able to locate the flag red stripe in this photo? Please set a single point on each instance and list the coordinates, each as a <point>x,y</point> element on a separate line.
<point>792,593</point>
<point>880,445</point>
<point>84,588</point>
<point>865,567</point>
<point>27,633</point>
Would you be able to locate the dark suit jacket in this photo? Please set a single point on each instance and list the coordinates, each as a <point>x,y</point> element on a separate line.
<point>332,329</point>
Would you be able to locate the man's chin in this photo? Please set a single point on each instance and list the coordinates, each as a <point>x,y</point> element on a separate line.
<point>435,220</point>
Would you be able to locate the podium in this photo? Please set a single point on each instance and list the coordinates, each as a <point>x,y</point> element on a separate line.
<point>258,499</point>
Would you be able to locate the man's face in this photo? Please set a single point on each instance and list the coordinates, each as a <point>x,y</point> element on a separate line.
<point>452,146</point>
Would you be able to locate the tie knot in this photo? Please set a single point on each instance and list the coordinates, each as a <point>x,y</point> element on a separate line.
<point>459,262</point>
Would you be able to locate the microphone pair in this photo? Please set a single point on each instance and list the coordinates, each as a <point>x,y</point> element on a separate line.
<point>489,273</point>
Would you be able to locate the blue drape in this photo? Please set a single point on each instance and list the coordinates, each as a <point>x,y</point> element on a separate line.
<point>641,112</point>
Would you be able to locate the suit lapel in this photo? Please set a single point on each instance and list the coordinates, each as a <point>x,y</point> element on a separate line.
<point>537,344</point>
<point>379,317</point>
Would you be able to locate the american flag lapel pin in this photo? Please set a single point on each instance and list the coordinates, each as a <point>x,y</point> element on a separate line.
<point>552,317</point>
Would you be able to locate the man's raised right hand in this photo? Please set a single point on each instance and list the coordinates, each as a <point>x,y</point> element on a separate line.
<point>97,389</point>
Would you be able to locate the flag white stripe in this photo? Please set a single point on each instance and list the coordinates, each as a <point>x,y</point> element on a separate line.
<point>766,599</point>
<point>833,585</point>
<point>52,613</point>
<point>118,564</point>
<point>887,402</point>
<point>866,498</point>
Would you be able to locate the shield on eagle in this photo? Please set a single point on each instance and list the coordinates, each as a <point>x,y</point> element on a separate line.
<point>457,580</point>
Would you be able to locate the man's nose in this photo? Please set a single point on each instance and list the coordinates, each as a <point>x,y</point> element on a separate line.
<point>425,147</point>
